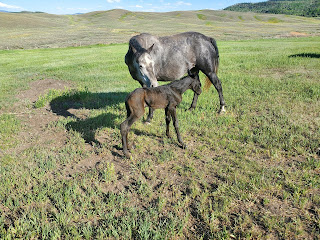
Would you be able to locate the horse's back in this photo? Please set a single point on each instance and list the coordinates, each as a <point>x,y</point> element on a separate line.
<point>174,55</point>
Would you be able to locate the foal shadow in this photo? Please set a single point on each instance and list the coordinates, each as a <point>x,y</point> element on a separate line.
<point>67,104</point>
<point>87,127</point>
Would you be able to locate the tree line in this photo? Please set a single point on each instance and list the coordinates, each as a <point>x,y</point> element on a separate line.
<point>307,8</point>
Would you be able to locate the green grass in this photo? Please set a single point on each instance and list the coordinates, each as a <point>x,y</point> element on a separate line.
<point>250,173</point>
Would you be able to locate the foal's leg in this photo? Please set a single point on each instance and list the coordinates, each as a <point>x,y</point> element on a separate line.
<point>176,126</point>
<point>194,102</point>
<point>194,71</point>
<point>217,84</point>
<point>124,129</point>
<point>124,137</point>
<point>150,115</point>
<point>168,119</point>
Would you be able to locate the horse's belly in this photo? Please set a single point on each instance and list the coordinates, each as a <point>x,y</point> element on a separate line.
<point>174,68</point>
<point>172,73</point>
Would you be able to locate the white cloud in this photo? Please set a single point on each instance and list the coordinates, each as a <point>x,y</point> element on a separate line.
<point>3,5</point>
<point>138,6</point>
<point>183,3</point>
<point>113,1</point>
<point>79,9</point>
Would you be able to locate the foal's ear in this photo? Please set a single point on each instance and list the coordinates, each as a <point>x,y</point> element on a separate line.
<point>150,49</point>
<point>191,74</point>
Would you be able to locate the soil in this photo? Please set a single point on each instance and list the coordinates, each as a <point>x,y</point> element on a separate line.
<point>35,121</point>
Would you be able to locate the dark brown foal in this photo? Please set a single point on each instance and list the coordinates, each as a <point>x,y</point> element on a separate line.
<point>165,97</point>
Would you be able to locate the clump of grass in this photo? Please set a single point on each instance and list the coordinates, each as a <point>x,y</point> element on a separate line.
<point>202,16</point>
<point>274,20</point>
<point>62,95</point>
<point>9,126</point>
<point>258,18</point>
<point>108,173</point>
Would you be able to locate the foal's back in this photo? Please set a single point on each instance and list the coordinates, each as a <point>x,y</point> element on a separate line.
<point>160,97</point>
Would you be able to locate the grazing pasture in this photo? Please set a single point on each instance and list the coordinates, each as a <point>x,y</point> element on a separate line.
<point>253,172</point>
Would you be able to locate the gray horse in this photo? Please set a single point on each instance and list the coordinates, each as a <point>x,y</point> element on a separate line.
<point>151,59</point>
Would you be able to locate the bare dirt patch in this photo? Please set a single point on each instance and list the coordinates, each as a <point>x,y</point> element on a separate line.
<point>37,132</point>
<point>299,34</point>
<point>35,121</point>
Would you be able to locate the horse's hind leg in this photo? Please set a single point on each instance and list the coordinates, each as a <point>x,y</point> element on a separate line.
<point>217,84</point>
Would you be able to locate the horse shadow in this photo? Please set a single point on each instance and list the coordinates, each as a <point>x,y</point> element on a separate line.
<point>306,55</point>
<point>67,104</point>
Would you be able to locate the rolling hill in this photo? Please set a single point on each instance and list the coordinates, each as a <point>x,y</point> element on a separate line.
<point>42,30</point>
<point>307,8</point>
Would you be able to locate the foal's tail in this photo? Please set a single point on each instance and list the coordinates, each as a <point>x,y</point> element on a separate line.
<point>208,83</point>
<point>128,109</point>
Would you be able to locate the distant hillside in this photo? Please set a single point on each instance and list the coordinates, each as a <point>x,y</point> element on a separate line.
<point>307,8</point>
<point>42,30</point>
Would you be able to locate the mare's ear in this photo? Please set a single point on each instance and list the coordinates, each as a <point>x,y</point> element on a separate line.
<point>133,49</point>
<point>150,49</point>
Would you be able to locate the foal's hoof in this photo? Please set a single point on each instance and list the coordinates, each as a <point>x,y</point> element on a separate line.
<point>183,146</point>
<point>131,146</point>
<point>127,155</point>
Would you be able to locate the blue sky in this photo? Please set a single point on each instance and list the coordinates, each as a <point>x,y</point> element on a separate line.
<point>83,6</point>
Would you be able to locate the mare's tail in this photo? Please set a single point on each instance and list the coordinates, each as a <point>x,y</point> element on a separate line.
<point>208,83</point>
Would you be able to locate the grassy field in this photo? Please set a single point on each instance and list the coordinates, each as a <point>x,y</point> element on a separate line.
<point>252,173</point>
<point>41,30</point>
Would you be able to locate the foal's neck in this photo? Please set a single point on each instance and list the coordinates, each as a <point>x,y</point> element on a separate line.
<point>182,85</point>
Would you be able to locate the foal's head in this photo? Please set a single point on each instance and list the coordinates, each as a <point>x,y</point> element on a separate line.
<point>195,84</point>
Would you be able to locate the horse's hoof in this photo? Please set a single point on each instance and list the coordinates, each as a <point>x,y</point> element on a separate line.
<point>184,146</point>
<point>147,123</point>
<point>222,110</point>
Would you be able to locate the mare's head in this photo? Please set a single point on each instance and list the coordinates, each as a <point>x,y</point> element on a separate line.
<point>195,83</point>
<point>144,66</point>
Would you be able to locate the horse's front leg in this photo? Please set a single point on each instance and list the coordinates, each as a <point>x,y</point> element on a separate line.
<point>150,116</point>
<point>194,101</point>
<point>176,126</point>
